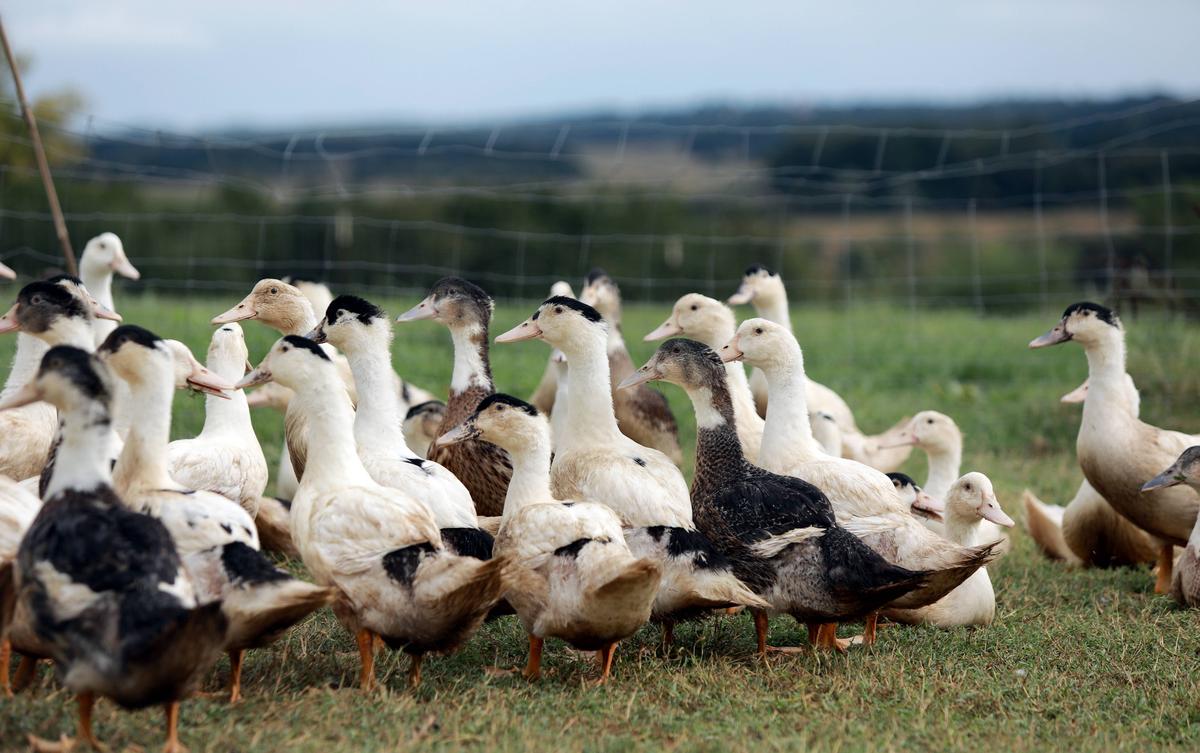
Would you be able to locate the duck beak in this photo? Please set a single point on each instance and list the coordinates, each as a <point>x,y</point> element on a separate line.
<point>730,352</point>
<point>242,311</point>
<point>904,439</point>
<point>100,311</point>
<point>318,334</point>
<point>743,295</point>
<point>423,310</point>
<point>928,507</point>
<point>666,329</point>
<point>9,323</point>
<point>526,330</point>
<point>991,511</point>
<point>647,373</point>
<point>122,267</point>
<point>1055,336</point>
<point>1169,477</point>
<point>1075,396</point>
<point>261,375</point>
<point>24,396</point>
<point>460,433</point>
<point>7,272</point>
<point>205,381</point>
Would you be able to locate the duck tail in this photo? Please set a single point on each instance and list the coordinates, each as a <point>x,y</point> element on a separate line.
<point>695,576</point>
<point>631,590</point>
<point>1044,524</point>
<point>460,592</point>
<point>863,580</point>
<point>264,601</point>
<point>273,521</point>
<point>949,576</point>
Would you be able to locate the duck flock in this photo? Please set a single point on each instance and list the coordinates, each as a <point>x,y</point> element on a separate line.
<point>133,562</point>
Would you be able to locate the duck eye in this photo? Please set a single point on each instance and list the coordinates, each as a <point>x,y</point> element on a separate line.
<point>929,420</point>
<point>36,300</point>
<point>695,306</point>
<point>284,349</point>
<point>499,407</point>
<point>274,291</point>
<point>967,487</point>
<point>558,309</point>
<point>758,330</point>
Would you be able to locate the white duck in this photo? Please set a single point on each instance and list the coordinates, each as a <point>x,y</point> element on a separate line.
<point>362,331</point>
<point>543,397</point>
<point>969,501</point>
<point>707,320</point>
<point>1185,585</point>
<point>864,499</point>
<point>377,546</point>
<point>18,507</point>
<point>215,536</point>
<point>1116,450</point>
<point>595,462</point>
<point>573,575</point>
<point>225,458</point>
<point>101,257</point>
<point>422,424</point>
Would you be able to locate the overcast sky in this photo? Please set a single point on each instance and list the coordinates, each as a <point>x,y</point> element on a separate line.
<point>219,63</point>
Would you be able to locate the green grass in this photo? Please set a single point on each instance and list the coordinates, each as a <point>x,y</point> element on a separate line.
<point>1077,660</point>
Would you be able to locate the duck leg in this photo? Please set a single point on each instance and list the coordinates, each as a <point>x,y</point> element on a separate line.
<point>1166,563</point>
<point>827,638</point>
<point>533,667</point>
<point>414,670</point>
<point>84,732</point>
<point>173,745</point>
<point>869,629</point>
<point>814,629</point>
<point>5,660</point>
<point>26,673</point>
<point>235,675</point>
<point>668,636</point>
<point>366,653</point>
<point>604,658</point>
<point>761,625</point>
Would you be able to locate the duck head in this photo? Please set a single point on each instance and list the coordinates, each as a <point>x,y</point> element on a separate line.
<point>57,311</point>
<point>293,362</point>
<point>689,364</point>
<point>559,321</point>
<point>454,302</point>
<point>602,293</point>
<point>931,431</point>
<point>921,504</point>
<point>227,352</point>
<point>1185,470</point>
<point>275,303</point>
<point>422,424</point>
<point>758,283</point>
<point>104,255</point>
<point>137,355</point>
<point>761,343</point>
<point>351,323</point>
<point>68,378</point>
<point>697,317</point>
<point>1088,323</point>
<point>506,421</point>
<point>971,498</point>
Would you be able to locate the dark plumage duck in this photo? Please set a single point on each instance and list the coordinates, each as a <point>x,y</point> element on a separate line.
<point>467,311</point>
<point>779,531</point>
<point>104,587</point>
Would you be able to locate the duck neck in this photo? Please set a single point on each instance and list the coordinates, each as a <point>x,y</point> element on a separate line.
<point>25,363</point>
<point>74,331</point>
<point>719,457</point>
<point>143,461</point>
<point>82,462</point>
<point>773,306</point>
<point>962,528</point>
<point>99,283</point>
<point>530,483</point>
<point>232,414</point>
<point>943,470</point>
<point>589,393</point>
<point>471,380</point>
<point>787,432</point>
<point>1107,383</point>
<point>332,451</point>
<point>377,421</point>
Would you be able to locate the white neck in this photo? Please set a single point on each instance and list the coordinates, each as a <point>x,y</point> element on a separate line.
<point>1107,384</point>
<point>25,363</point>
<point>943,471</point>
<point>739,392</point>
<point>469,370</point>
<point>707,415</point>
<point>615,341</point>
<point>74,331</point>
<point>788,430</point>
<point>82,462</point>
<point>961,528</point>
<point>333,456</point>
<point>99,283</point>
<point>589,393</point>
<point>377,422</point>
<point>143,461</point>
<point>530,483</point>
<point>773,306</point>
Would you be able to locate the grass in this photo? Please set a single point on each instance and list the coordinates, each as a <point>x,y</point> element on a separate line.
<point>1077,660</point>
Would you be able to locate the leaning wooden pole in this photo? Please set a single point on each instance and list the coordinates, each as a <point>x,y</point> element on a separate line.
<point>39,152</point>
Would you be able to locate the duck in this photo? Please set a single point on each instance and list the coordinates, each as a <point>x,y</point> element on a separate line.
<point>466,310</point>
<point>421,424</point>
<point>921,504</point>
<point>863,498</point>
<point>88,565</point>
<point>826,433</point>
<point>102,257</point>
<point>970,501</point>
<point>764,289</point>
<point>29,430</point>
<point>275,397</point>
<point>376,546</point>
<point>1116,450</point>
<point>58,311</point>
<point>18,508</point>
<point>643,414</point>
<point>707,320</point>
<point>544,394</point>
<point>573,576</point>
<point>1088,532</point>
<point>363,331</point>
<point>1185,582</point>
<point>214,535</point>
<point>284,308</point>
<point>595,462</point>
<point>779,531</point>
<point>225,458</point>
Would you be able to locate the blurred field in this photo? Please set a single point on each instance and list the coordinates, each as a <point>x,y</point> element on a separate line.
<point>1081,660</point>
